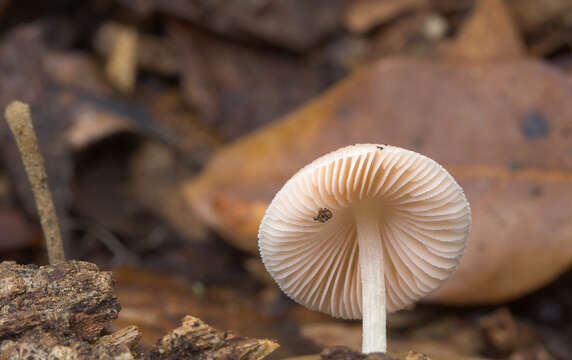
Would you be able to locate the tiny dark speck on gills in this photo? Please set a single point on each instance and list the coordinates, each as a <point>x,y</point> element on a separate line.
<point>324,214</point>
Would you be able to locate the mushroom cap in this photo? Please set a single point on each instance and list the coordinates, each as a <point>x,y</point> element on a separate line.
<point>308,237</point>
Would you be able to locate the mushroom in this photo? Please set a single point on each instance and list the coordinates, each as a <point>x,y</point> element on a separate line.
<point>364,230</point>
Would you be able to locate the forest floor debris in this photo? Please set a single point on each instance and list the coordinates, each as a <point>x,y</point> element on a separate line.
<point>204,73</point>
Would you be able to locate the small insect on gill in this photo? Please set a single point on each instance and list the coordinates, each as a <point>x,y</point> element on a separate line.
<point>324,214</point>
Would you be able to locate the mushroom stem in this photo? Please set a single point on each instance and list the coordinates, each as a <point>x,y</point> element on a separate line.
<point>372,282</point>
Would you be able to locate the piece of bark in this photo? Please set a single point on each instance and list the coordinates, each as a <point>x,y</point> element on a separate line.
<point>41,345</point>
<point>60,312</point>
<point>129,336</point>
<point>196,339</point>
<point>72,297</point>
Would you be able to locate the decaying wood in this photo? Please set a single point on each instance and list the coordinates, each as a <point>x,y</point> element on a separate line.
<point>196,340</point>
<point>59,312</point>
<point>127,336</point>
<point>70,298</point>
<point>39,345</point>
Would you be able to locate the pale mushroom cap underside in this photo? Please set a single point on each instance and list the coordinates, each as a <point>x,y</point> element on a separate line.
<point>308,240</point>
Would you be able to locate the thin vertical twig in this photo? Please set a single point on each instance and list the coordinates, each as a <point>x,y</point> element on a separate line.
<point>20,122</point>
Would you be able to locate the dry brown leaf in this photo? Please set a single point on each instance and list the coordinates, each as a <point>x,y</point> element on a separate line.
<point>154,180</point>
<point>533,14</point>
<point>489,34</point>
<point>76,70</point>
<point>293,24</point>
<point>546,24</point>
<point>69,298</point>
<point>236,88</point>
<point>363,15</point>
<point>92,124</point>
<point>416,35</point>
<point>500,128</point>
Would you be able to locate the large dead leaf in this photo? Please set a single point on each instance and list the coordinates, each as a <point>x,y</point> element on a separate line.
<point>502,129</point>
